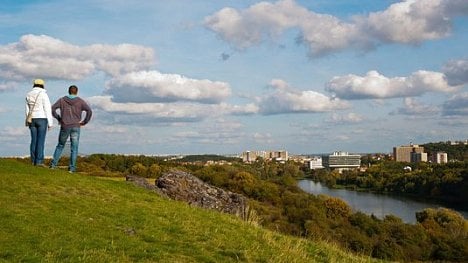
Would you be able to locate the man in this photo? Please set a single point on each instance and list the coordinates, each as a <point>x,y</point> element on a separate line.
<point>71,108</point>
<point>38,107</point>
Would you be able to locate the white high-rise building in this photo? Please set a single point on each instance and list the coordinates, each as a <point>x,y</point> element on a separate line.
<point>341,161</point>
<point>315,163</point>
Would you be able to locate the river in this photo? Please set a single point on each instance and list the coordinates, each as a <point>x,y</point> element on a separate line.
<point>379,205</point>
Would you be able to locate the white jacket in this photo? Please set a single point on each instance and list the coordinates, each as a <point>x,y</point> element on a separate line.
<point>42,109</point>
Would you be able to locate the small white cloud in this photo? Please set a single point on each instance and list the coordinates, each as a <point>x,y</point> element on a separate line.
<point>286,99</point>
<point>8,85</point>
<point>263,138</point>
<point>51,58</point>
<point>8,132</point>
<point>218,132</point>
<point>456,72</point>
<point>153,86</point>
<point>457,105</point>
<point>413,108</point>
<point>347,118</point>
<point>376,86</point>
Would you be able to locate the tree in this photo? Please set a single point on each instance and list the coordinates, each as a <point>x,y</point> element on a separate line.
<point>139,169</point>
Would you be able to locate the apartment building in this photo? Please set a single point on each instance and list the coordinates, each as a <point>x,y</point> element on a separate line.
<point>403,153</point>
<point>251,156</point>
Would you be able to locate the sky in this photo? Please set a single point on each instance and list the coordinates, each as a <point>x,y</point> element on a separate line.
<point>223,77</point>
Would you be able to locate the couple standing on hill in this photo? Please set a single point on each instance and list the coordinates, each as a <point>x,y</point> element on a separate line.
<point>70,109</point>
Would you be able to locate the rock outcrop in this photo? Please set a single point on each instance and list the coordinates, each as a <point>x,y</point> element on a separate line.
<point>183,186</point>
<point>186,187</point>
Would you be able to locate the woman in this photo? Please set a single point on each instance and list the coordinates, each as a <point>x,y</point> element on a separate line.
<point>38,103</point>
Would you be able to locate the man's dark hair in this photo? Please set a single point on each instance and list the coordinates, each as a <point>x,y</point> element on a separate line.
<point>38,86</point>
<point>73,90</point>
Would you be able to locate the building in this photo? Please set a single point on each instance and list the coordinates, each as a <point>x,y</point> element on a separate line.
<point>439,157</point>
<point>403,153</point>
<point>251,156</point>
<point>315,163</point>
<point>341,161</point>
<point>418,157</point>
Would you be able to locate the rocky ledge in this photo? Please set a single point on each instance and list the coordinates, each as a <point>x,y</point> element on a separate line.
<point>186,187</point>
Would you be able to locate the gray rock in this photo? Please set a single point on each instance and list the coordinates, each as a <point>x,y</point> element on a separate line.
<point>183,186</point>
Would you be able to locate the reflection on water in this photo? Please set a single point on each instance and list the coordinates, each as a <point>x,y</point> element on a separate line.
<point>379,205</point>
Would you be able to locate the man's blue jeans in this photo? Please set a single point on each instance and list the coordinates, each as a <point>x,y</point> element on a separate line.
<point>38,129</point>
<point>74,134</point>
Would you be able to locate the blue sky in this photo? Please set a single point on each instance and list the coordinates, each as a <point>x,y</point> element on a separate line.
<point>197,77</point>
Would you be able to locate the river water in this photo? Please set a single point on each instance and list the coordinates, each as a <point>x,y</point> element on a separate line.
<point>379,205</point>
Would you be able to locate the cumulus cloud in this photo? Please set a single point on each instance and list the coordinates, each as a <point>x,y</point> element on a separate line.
<point>413,108</point>
<point>286,99</point>
<point>166,112</point>
<point>51,58</point>
<point>457,105</point>
<point>153,86</point>
<point>456,72</point>
<point>405,22</point>
<point>414,21</point>
<point>377,86</point>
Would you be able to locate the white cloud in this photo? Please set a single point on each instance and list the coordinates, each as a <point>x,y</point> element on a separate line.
<point>376,86</point>
<point>153,86</point>
<point>165,112</point>
<point>286,99</point>
<point>456,72</point>
<point>457,105</point>
<point>414,21</point>
<point>409,21</point>
<point>218,132</point>
<point>50,58</point>
<point>347,118</point>
<point>9,133</point>
<point>251,26</point>
<point>413,108</point>
<point>263,138</point>
<point>7,85</point>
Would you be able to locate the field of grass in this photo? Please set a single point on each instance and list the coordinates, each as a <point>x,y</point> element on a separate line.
<point>53,216</point>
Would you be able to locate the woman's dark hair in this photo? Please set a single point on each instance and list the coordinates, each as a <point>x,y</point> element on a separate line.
<point>38,85</point>
<point>73,90</point>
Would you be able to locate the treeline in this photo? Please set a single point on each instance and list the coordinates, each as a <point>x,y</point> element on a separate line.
<point>454,151</point>
<point>282,206</point>
<point>446,182</point>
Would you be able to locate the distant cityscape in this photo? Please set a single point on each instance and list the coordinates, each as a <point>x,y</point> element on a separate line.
<point>338,160</point>
<point>341,161</point>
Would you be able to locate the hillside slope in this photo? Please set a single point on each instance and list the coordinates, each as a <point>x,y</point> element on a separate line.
<point>50,215</point>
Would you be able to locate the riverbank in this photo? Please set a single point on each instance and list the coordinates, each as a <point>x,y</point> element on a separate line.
<point>376,204</point>
<point>444,201</point>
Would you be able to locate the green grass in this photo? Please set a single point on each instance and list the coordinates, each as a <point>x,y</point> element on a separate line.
<point>53,216</point>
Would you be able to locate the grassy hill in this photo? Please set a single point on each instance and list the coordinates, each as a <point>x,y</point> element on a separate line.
<point>53,216</point>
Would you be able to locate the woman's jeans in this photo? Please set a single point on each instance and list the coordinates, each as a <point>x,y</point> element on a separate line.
<point>38,129</point>
<point>74,134</point>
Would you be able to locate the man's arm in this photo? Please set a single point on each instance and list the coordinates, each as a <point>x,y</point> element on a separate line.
<point>85,107</point>
<point>54,110</point>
